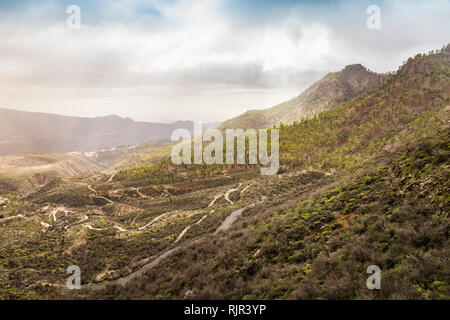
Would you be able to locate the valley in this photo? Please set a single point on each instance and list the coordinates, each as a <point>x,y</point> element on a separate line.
<point>363,180</point>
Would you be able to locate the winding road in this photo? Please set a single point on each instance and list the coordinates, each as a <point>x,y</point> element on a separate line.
<point>112,177</point>
<point>227,194</point>
<point>130,230</point>
<point>230,220</point>
<point>59,209</point>
<point>138,273</point>
<point>141,194</point>
<point>11,218</point>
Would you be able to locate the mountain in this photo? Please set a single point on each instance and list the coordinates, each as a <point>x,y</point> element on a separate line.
<point>26,172</point>
<point>49,133</point>
<point>364,183</point>
<point>411,104</point>
<point>333,89</point>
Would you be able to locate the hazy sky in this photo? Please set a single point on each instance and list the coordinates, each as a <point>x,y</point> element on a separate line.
<point>204,60</point>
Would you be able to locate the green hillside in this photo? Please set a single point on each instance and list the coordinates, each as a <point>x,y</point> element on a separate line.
<point>323,95</point>
<point>143,155</point>
<point>386,204</point>
<point>382,119</point>
<point>377,121</point>
<point>333,89</point>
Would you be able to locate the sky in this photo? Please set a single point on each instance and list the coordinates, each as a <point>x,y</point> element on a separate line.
<point>204,60</point>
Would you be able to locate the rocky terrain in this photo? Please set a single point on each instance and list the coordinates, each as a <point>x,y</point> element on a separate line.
<point>363,183</point>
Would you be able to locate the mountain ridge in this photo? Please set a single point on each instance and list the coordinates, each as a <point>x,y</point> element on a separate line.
<point>24,131</point>
<point>331,90</point>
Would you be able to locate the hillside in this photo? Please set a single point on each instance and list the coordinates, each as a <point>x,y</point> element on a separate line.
<point>313,237</point>
<point>364,183</point>
<point>380,120</point>
<point>49,133</point>
<point>333,89</point>
<point>325,94</point>
<point>25,172</point>
<point>144,155</point>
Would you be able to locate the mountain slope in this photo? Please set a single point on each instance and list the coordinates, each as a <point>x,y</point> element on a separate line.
<point>313,238</point>
<point>374,192</point>
<point>333,89</point>
<point>376,121</point>
<point>25,172</point>
<point>325,94</point>
<point>382,118</point>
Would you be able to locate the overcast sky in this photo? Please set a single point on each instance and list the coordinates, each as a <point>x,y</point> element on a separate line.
<point>203,60</point>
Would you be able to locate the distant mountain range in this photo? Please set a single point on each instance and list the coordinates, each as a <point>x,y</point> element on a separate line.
<point>49,133</point>
<point>330,91</point>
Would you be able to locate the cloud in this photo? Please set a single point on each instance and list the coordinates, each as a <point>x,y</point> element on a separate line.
<point>163,49</point>
<point>196,44</point>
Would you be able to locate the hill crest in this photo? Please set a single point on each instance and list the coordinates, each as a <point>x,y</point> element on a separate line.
<point>331,90</point>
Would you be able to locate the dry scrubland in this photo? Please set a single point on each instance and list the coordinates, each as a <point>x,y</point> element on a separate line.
<point>365,182</point>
